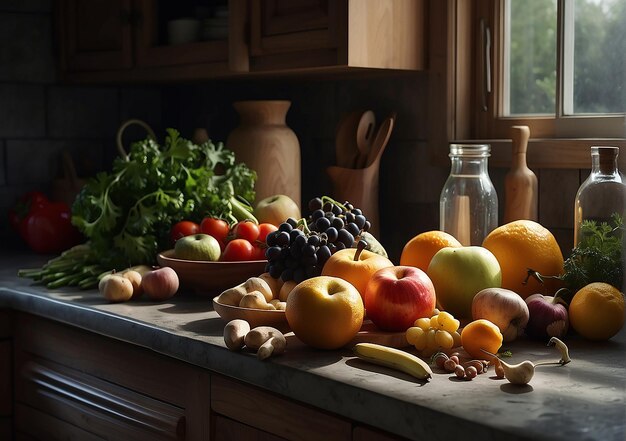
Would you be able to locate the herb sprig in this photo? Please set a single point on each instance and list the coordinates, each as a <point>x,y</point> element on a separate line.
<point>598,255</point>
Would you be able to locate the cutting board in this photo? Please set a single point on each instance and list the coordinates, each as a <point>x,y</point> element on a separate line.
<point>371,334</point>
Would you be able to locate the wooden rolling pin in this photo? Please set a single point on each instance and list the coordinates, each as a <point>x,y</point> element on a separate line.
<point>520,184</point>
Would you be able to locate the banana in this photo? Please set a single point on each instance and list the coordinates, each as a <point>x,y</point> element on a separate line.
<point>393,358</point>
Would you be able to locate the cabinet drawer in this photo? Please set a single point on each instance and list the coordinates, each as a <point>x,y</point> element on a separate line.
<point>76,376</point>
<point>228,430</point>
<point>273,414</point>
<point>98,406</point>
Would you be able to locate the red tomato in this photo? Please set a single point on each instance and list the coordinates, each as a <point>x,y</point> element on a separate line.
<point>258,253</point>
<point>264,230</point>
<point>246,230</point>
<point>182,229</point>
<point>237,249</point>
<point>218,228</point>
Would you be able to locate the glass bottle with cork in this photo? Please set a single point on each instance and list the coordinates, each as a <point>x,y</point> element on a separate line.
<point>603,193</point>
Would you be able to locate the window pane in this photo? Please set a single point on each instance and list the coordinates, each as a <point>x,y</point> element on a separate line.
<point>599,56</point>
<point>530,57</point>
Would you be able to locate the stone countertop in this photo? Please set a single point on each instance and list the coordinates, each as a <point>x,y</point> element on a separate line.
<point>583,400</point>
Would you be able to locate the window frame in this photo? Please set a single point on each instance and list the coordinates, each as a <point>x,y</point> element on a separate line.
<point>557,141</point>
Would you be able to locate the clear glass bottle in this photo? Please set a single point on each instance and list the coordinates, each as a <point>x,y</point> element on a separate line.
<point>468,206</point>
<point>602,193</point>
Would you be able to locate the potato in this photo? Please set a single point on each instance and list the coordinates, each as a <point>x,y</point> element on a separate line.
<point>255,300</point>
<point>278,304</point>
<point>258,284</point>
<point>232,296</point>
<point>234,334</point>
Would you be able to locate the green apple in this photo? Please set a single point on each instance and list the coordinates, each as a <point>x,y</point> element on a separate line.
<point>458,274</point>
<point>197,247</point>
<point>276,209</point>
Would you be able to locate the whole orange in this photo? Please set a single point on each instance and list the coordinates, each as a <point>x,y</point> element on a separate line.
<point>524,244</point>
<point>481,334</point>
<point>420,249</point>
<point>325,312</point>
<point>358,272</point>
<point>597,311</point>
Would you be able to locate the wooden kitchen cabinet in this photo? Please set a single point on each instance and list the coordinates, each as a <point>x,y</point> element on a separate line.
<point>247,410</point>
<point>369,34</point>
<point>73,384</point>
<point>79,385</point>
<point>126,40</point>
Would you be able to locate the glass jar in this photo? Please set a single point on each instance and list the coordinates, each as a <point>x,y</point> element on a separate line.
<point>468,206</point>
<point>603,193</point>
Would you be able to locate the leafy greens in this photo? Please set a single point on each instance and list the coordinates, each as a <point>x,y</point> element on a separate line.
<point>598,255</point>
<point>126,214</point>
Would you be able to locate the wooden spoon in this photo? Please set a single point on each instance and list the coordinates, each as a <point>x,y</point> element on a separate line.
<point>346,150</point>
<point>381,139</point>
<point>365,132</point>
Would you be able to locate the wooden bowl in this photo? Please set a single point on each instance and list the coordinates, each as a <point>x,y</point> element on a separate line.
<point>210,278</point>
<point>256,317</point>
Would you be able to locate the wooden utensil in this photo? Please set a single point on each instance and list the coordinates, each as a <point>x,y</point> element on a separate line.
<point>360,186</point>
<point>520,184</point>
<point>66,188</point>
<point>365,137</point>
<point>381,139</point>
<point>346,149</point>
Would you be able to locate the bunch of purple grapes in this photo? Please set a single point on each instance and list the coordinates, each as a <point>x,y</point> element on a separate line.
<point>299,249</point>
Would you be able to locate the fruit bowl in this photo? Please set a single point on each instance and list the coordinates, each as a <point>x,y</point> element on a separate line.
<point>210,278</point>
<point>256,317</point>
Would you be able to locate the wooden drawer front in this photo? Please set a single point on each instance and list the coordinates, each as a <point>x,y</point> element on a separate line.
<point>229,430</point>
<point>362,433</point>
<point>97,406</point>
<point>274,415</point>
<point>134,370</point>
<point>132,367</point>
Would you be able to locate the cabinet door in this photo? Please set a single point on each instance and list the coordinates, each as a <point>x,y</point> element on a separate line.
<point>316,28</point>
<point>95,35</point>
<point>153,47</point>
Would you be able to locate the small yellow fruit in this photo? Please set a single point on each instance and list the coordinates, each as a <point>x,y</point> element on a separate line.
<point>597,311</point>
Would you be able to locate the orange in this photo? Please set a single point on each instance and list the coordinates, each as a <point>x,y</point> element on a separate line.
<point>420,250</point>
<point>524,244</point>
<point>481,334</point>
<point>325,312</point>
<point>597,311</point>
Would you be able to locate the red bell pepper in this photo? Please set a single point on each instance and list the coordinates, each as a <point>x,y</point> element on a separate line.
<point>44,225</point>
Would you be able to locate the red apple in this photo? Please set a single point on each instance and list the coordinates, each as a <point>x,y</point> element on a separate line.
<point>396,296</point>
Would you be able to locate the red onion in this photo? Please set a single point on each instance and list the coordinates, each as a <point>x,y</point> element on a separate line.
<point>548,317</point>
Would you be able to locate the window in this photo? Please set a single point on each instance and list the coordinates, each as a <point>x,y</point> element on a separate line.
<point>558,66</point>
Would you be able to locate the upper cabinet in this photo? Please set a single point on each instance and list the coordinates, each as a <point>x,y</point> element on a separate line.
<point>336,34</point>
<point>152,40</point>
